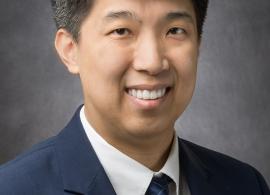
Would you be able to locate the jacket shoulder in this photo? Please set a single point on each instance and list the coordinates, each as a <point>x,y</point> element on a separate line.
<point>20,176</point>
<point>228,170</point>
<point>212,157</point>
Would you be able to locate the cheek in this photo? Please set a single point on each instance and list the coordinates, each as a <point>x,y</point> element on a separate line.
<point>185,68</point>
<point>111,60</point>
<point>102,68</point>
<point>185,64</point>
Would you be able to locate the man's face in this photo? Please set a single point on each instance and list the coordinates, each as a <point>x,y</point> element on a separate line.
<point>137,63</point>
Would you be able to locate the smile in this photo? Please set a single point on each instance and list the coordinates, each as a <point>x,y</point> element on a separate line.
<point>147,94</point>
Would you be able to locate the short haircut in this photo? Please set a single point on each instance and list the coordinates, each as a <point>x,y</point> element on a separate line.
<point>69,14</point>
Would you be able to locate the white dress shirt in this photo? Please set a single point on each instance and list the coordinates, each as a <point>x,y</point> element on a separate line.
<point>126,175</point>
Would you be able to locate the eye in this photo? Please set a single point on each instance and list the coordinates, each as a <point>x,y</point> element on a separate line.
<point>121,32</point>
<point>175,31</point>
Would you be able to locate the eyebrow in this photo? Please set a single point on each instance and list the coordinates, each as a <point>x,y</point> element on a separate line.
<point>123,14</point>
<point>175,15</point>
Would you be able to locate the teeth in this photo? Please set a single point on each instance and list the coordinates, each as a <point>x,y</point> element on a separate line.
<point>147,94</point>
<point>139,94</point>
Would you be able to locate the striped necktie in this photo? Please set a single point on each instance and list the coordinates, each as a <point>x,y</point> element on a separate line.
<point>159,185</point>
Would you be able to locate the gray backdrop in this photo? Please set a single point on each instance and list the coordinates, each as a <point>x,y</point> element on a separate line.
<point>230,109</point>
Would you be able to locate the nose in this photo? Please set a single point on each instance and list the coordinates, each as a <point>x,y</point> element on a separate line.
<point>148,56</point>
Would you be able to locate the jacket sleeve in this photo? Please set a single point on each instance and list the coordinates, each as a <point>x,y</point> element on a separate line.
<point>262,183</point>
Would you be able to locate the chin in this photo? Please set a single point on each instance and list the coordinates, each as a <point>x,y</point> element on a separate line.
<point>146,130</point>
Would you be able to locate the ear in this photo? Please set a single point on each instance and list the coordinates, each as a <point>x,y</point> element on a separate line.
<point>67,48</point>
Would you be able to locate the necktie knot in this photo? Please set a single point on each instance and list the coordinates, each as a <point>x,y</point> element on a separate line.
<point>159,185</point>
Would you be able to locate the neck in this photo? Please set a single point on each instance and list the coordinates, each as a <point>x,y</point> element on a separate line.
<point>154,158</point>
<point>152,153</point>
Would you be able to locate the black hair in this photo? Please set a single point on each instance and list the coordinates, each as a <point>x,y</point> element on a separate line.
<point>200,7</point>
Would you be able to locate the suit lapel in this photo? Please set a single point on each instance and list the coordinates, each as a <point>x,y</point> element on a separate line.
<point>195,171</point>
<point>79,166</point>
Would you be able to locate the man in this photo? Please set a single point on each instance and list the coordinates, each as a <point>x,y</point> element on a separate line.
<point>137,63</point>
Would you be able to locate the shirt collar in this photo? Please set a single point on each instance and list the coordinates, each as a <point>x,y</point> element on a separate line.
<point>127,175</point>
<point>171,167</point>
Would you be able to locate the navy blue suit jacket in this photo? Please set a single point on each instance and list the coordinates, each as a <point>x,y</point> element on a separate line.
<point>67,164</point>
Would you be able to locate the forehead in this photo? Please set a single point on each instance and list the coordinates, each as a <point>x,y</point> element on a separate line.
<point>140,9</point>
